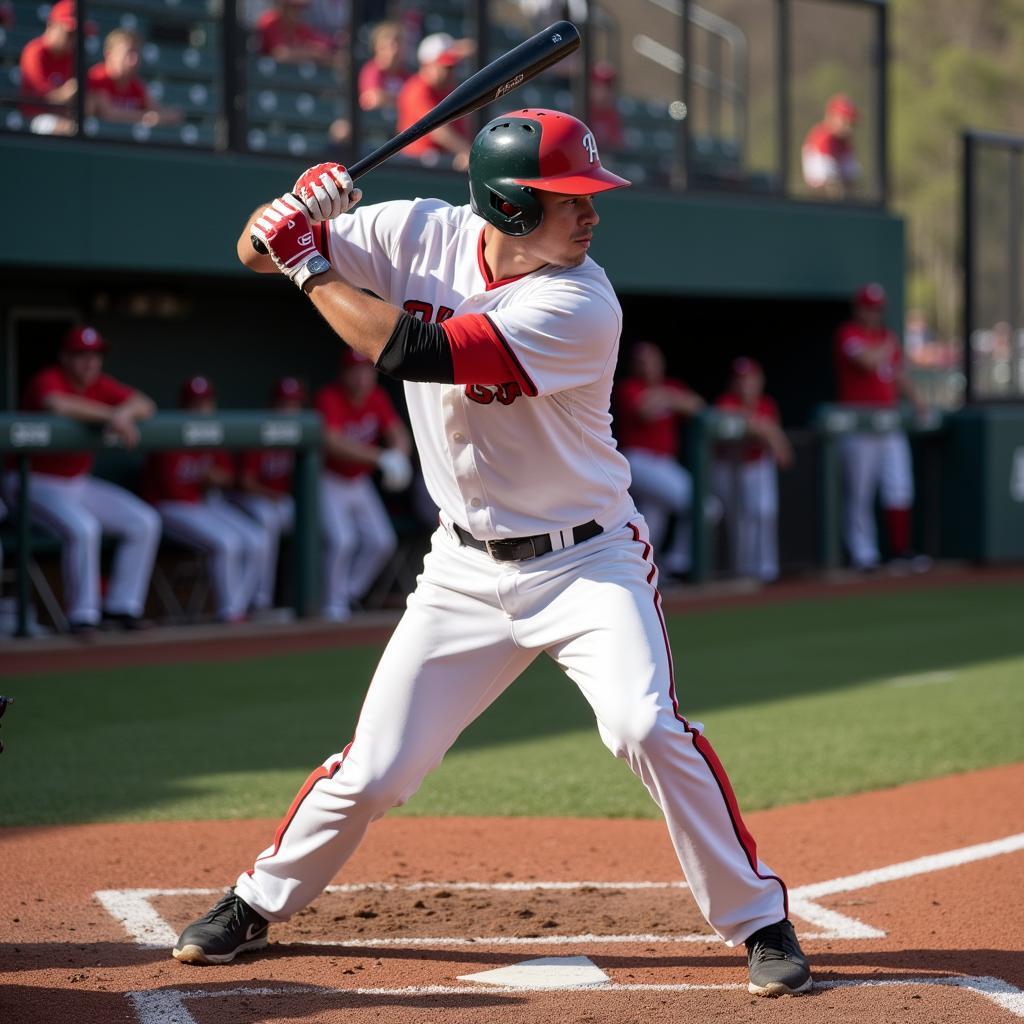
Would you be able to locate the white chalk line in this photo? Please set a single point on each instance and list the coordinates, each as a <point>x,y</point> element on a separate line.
<point>143,923</point>
<point>167,1006</point>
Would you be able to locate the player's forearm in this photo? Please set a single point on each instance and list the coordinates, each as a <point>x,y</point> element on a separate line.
<point>338,446</point>
<point>138,407</point>
<point>398,437</point>
<point>364,323</point>
<point>261,263</point>
<point>75,407</point>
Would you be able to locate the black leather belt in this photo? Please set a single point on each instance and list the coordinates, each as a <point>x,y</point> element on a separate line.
<point>518,549</point>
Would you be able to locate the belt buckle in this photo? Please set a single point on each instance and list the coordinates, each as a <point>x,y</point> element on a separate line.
<point>509,551</point>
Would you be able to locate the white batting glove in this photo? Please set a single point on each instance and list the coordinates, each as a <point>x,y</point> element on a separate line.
<point>327,191</point>
<point>395,469</point>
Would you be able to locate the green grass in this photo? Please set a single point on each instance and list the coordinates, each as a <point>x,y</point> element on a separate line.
<point>801,700</point>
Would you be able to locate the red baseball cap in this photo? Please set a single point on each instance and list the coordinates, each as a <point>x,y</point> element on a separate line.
<point>871,295</point>
<point>350,357</point>
<point>84,339</point>
<point>196,389</point>
<point>63,12</point>
<point>439,48</point>
<point>289,389</point>
<point>842,105</point>
<point>744,366</point>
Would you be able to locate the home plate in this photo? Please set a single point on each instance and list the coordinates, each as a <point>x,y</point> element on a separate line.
<point>547,972</point>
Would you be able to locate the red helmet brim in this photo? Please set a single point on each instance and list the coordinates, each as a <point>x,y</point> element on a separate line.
<point>596,180</point>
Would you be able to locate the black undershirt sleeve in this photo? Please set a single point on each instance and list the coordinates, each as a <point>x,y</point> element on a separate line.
<point>417,351</point>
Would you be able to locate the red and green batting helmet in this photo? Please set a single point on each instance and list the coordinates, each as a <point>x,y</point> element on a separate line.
<point>518,154</point>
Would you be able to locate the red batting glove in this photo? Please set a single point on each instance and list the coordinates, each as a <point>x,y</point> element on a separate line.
<point>326,191</point>
<point>283,228</point>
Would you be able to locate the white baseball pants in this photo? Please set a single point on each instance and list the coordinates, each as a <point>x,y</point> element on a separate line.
<point>79,510</point>
<point>471,627</point>
<point>232,542</point>
<point>661,487</point>
<point>749,492</point>
<point>358,540</point>
<point>275,516</point>
<point>873,463</point>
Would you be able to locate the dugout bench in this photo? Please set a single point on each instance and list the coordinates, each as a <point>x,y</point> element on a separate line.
<point>25,434</point>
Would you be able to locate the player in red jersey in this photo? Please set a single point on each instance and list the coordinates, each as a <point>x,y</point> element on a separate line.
<point>746,473</point>
<point>870,372</point>
<point>362,432</point>
<point>381,78</point>
<point>114,90</point>
<point>186,488</point>
<point>438,55</point>
<point>648,410</point>
<point>286,37</point>
<point>829,163</point>
<point>265,478</point>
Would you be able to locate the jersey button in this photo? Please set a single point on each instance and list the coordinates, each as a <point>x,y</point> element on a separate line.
<point>458,438</point>
<point>476,503</point>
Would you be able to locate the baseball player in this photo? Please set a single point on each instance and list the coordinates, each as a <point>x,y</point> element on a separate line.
<point>506,335</point>
<point>265,477</point>
<point>186,488</point>
<point>746,474</point>
<point>648,410</point>
<point>362,432</point>
<point>870,372</point>
<point>827,156</point>
<point>79,508</point>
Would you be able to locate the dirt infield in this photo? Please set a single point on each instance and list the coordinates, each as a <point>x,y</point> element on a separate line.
<point>910,902</point>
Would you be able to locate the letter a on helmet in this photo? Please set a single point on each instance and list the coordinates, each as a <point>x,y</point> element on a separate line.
<point>529,151</point>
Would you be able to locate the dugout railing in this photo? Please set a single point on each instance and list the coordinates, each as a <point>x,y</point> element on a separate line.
<point>23,435</point>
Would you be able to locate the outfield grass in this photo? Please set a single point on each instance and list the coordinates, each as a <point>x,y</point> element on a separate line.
<point>801,700</point>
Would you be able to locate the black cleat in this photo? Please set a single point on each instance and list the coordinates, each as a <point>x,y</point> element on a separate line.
<point>777,964</point>
<point>230,927</point>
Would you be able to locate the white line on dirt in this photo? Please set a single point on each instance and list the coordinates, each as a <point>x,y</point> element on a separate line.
<point>167,1006</point>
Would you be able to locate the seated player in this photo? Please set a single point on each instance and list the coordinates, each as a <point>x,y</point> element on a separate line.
<point>186,488</point>
<point>47,68</point>
<point>285,36</point>
<point>67,499</point>
<point>265,477</point>
<point>381,78</point>
<point>114,90</point>
<point>746,474</point>
<point>362,432</point>
<point>648,409</point>
<point>438,55</point>
<point>829,164</point>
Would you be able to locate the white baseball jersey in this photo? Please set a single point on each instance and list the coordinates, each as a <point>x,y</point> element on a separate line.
<point>559,329</point>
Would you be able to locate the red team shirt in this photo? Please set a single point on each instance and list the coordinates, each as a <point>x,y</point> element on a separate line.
<point>415,100</point>
<point>751,450</point>
<point>366,422</point>
<point>274,32</point>
<point>821,139</point>
<point>272,467</point>
<point>373,76</point>
<point>866,387</point>
<point>128,95</point>
<point>659,435</point>
<point>181,475</point>
<point>53,381</point>
<point>42,72</point>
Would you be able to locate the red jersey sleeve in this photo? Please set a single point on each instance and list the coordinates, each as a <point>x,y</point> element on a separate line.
<point>326,404</point>
<point>46,382</point>
<point>110,391</point>
<point>249,464</point>
<point>386,415</point>
<point>34,79</point>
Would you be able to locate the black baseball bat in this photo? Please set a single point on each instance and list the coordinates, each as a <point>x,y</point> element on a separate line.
<point>511,70</point>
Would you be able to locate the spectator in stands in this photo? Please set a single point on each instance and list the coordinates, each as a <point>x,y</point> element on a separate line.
<point>746,474</point>
<point>870,373</point>
<point>265,478</point>
<point>604,120</point>
<point>381,78</point>
<point>186,487</point>
<point>114,91</point>
<point>285,36</point>
<point>362,432</point>
<point>649,408</point>
<point>438,56</point>
<point>48,72</point>
<point>829,164</point>
<point>79,508</point>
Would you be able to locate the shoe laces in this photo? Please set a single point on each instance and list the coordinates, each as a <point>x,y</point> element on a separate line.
<point>774,942</point>
<point>227,909</point>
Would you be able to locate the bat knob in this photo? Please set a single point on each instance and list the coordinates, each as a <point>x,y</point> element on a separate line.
<point>258,245</point>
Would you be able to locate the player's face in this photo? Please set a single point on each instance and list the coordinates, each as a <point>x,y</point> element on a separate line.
<point>122,60</point>
<point>203,406</point>
<point>648,362</point>
<point>564,235</point>
<point>359,380</point>
<point>83,367</point>
<point>749,386</point>
<point>871,316</point>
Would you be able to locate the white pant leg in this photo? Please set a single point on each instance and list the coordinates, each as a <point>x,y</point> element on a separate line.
<point>275,516</point>
<point>340,539</point>
<point>725,481</point>
<point>377,540</point>
<point>56,503</point>
<point>606,630</point>
<point>897,474</point>
<point>758,552</point>
<point>862,466</point>
<point>195,525</point>
<point>137,524</point>
<point>451,655</point>
<point>254,544</point>
<point>662,487</point>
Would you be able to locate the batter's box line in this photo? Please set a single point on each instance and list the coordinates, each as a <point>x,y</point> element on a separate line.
<point>146,927</point>
<point>167,1006</point>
